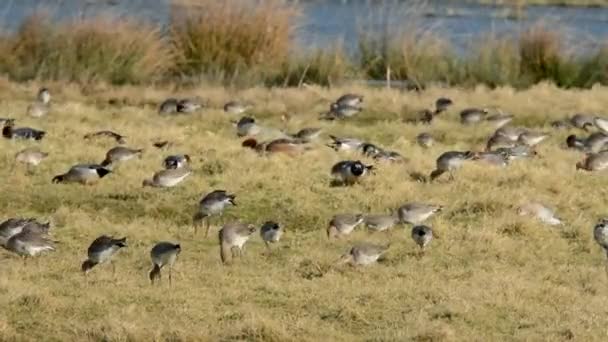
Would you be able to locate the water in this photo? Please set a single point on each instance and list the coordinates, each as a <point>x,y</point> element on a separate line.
<point>323,22</point>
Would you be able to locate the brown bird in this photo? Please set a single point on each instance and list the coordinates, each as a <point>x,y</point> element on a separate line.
<point>232,238</point>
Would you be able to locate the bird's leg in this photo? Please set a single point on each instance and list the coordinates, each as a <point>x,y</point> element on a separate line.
<point>170,276</point>
<point>451,176</point>
<point>208,221</point>
<point>113,269</point>
<point>268,250</point>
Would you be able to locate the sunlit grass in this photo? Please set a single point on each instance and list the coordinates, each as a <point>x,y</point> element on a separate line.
<point>489,275</point>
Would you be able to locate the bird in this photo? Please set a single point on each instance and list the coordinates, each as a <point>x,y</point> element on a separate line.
<point>370,150</point>
<point>343,224</point>
<point>349,172</point>
<point>500,141</point>
<point>495,158</point>
<point>594,162</point>
<point>516,152</point>
<point>451,161</point>
<point>442,104</point>
<point>499,120</point>
<point>390,156</point>
<point>380,223</point>
<point>120,139</point>
<point>510,132</point>
<point>247,126</point>
<point>600,234</point>
<point>471,116</point>
<point>212,204</point>
<point>169,106</point>
<point>364,254</point>
<point>582,121</point>
<point>10,132</point>
<point>237,107</point>
<point>31,156</point>
<point>28,243</point>
<point>232,239</point>
<point>101,250</point>
<point>177,161</point>
<point>345,144</point>
<point>190,105</point>
<point>596,142</point>
<point>120,154</point>
<point>271,232</point>
<point>337,111</point>
<point>601,124</point>
<point>163,254</point>
<point>529,138</point>
<point>540,212</point>
<point>422,236</point>
<point>353,100</point>
<point>425,140</point>
<point>16,225</point>
<point>86,174</point>
<point>416,213</point>
<point>576,143</point>
<point>288,146</point>
<point>168,178</point>
<point>40,107</point>
<point>307,134</point>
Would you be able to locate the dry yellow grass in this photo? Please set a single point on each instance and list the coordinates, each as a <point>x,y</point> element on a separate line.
<point>491,275</point>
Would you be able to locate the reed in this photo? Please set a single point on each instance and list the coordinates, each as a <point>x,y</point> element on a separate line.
<point>103,48</point>
<point>231,40</point>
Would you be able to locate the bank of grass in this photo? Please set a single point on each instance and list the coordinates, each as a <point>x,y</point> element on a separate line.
<point>565,3</point>
<point>489,275</point>
<point>240,43</point>
<point>104,48</point>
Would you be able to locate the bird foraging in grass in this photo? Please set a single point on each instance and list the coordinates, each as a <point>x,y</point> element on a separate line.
<point>163,254</point>
<point>212,204</point>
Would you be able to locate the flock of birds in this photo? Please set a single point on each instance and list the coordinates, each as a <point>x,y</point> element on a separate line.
<point>29,237</point>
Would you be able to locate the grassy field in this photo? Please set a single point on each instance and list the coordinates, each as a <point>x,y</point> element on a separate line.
<point>490,275</point>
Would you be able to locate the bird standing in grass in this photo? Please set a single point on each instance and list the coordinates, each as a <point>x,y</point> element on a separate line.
<point>271,232</point>
<point>425,140</point>
<point>380,223</point>
<point>101,251</point>
<point>594,162</point>
<point>16,225</point>
<point>232,238</point>
<point>343,224</point>
<point>10,132</point>
<point>212,204</point>
<point>163,254</point>
<point>349,172</point>
<point>169,106</point>
<point>29,243</point>
<point>41,106</point>
<point>600,234</point>
<point>168,178</point>
<point>450,162</point>
<point>120,154</point>
<point>86,174</point>
<point>31,156</point>
<point>422,236</point>
<point>364,254</point>
<point>177,161</point>
<point>120,139</point>
<point>415,213</point>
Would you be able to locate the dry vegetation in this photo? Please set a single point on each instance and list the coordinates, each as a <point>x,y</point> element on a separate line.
<point>490,275</point>
<point>240,43</point>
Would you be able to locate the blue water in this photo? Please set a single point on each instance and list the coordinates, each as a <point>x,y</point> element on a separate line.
<point>323,22</point>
